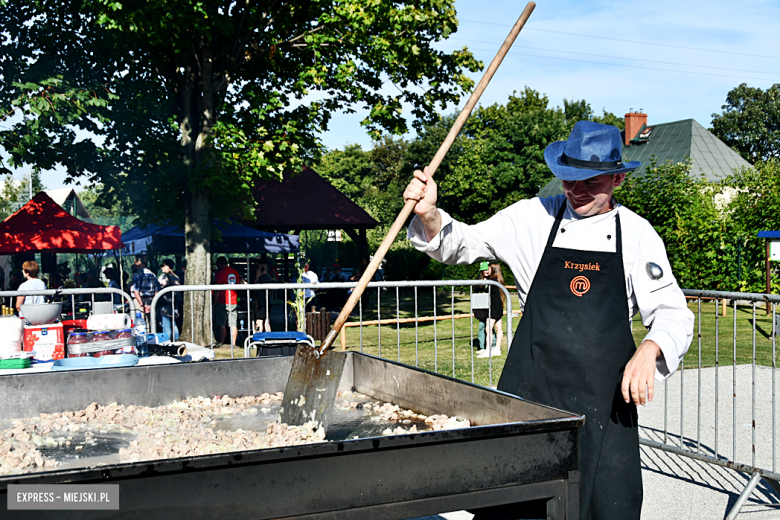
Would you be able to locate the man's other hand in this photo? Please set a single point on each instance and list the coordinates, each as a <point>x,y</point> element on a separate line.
<point>639,376</point>
<point>423,189</point>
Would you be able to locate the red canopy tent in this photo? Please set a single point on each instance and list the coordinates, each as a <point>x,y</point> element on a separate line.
<point>42,224</point>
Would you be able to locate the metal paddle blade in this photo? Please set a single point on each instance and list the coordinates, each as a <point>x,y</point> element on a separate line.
<point>311,388</point>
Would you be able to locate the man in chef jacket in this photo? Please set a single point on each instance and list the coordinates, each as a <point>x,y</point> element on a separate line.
<point>584,266</point>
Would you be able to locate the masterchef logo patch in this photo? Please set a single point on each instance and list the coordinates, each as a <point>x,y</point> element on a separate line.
<point>581,267</point>
<point>579,286</point>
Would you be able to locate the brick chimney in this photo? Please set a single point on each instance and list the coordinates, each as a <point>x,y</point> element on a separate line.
<point>634,121</point>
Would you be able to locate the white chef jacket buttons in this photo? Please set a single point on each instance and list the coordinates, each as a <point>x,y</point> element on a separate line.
<point>609,237</point>
<point>654,271</point>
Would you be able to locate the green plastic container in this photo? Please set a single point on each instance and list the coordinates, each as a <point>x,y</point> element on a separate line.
<point>15,363</point>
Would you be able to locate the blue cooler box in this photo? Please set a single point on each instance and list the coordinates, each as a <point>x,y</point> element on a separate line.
<point>276,343</point>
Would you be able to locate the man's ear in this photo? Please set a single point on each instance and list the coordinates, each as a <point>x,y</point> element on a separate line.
<point>619,178</point>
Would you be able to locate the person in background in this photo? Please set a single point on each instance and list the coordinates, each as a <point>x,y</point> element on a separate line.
<point>494,323</point>
<point>94,282</point>
<point>145,285</point>
<point>338,274</point>
<point>16,280</point>
<point>30,271</point>
<point>125,285</point>
<point>341,295</point>
<point>113,283</point>
<point>180,273</point>
<point>310,276</point>
<point>226,303</point>
<point>261,300</point>
<point>171,303</point>
<point>482,314</point>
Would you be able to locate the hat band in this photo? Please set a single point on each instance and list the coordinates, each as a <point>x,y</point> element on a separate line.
<point>591,165</point>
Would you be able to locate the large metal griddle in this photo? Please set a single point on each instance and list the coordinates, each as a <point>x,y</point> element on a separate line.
<point>518,452</point>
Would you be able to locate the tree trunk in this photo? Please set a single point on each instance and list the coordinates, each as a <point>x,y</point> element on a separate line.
<point>197,237</point>
<point>197,101</point>
<point>197,124</point>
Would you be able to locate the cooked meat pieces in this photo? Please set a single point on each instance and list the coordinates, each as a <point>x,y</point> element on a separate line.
<point>185,428</point>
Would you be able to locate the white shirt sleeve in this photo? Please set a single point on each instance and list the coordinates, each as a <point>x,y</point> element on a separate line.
<point>459,243</point>
<point>661,304</point>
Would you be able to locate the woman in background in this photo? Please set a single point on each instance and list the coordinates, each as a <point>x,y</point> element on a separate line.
<point>483,313</point>
<point>497,301</point>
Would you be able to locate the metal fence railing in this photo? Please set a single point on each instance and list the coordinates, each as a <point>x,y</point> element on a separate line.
<point>720,407</point>
<point>418,307</point>
<point>75,296</point>
<point>752,356</point>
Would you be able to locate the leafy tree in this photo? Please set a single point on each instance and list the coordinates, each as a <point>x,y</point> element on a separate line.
<point>197,99</point>
<point>608,118</point>
<point>373,179</point>
<point>117,213</point>
<point>429,138</point>
<point>754,207</point>
<point>347,170</point>
<point>750,122</point>
<point>574,111</point>
<point>389,179</point>
<point>685,214</point>
<point>503,146</point>
<point>15,194</point>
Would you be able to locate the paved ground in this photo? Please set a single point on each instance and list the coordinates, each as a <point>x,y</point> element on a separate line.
<point>683,488</point>
<point>680,487</point>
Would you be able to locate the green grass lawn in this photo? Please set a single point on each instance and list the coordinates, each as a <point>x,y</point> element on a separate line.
<point>725,335</point>
<point>445,346</point>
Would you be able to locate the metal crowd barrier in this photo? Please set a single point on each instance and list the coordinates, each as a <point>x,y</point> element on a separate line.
<point>709,449</point>
<point>738,452</point>
<point>92,291</point>
<point>373,287</point>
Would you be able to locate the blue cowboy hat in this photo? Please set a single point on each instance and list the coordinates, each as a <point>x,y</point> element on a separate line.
<point>592,149</point>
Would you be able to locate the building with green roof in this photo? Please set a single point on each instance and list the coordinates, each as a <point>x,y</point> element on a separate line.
<point>671,142</point>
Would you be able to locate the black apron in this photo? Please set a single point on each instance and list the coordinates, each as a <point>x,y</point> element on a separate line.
<point>569,352</point>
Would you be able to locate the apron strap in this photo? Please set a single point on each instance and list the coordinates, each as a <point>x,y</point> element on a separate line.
<point>618,235</point>
<point>556,225</point>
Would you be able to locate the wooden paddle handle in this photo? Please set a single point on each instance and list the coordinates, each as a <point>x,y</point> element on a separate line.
<point>368,274</point>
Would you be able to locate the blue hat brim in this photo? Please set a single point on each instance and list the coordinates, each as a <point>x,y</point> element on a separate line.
<point>552,156</point>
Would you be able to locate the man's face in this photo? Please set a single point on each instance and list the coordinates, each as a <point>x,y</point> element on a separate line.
<point>592,196</point>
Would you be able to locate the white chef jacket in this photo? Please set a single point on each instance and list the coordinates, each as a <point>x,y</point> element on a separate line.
<point>518,235</point>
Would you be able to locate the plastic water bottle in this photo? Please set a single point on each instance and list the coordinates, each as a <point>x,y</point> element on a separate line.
<point>140,334</point>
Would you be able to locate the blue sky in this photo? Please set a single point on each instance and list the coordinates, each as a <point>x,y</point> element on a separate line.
<point>665,76</point>
<point>675,60</point>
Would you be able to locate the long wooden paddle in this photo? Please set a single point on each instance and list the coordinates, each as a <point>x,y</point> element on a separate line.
<point>315,374</point>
